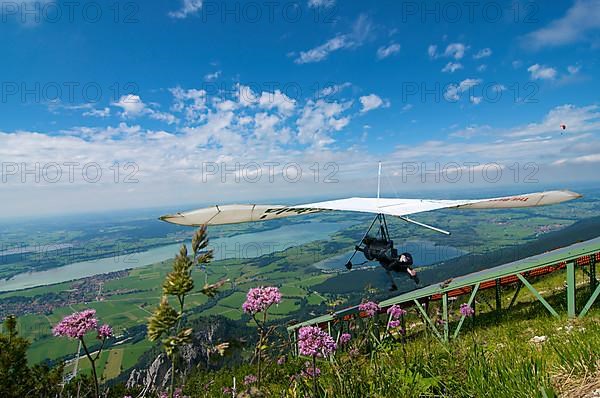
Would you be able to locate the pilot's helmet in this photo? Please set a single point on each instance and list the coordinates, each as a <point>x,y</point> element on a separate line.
<point>406,258</point>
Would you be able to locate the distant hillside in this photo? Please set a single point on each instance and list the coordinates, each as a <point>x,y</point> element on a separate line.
<point>356,281</point>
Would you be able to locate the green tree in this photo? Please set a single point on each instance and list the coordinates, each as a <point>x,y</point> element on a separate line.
<point>17,380</point>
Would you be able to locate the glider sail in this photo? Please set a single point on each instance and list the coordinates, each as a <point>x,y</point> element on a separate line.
<point>233,214</point>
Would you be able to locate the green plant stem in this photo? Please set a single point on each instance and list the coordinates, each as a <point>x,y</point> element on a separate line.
<point>93,363</point>
<point>314,371</point>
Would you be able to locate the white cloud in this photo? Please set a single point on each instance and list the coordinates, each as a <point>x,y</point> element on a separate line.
<point>452,67</point>
<point>472,131</point>
<point>432,51</point>
<point>486,52</point>
<point>574,69</point>
<point>105,112</point>
<point>333,90</point>
<point>384,52</point>
<point>191,102</point>
<point>578,120</point>
<point>456,50</point>
<point>481,68</point>
<point>541,72</point>
<point>371,101</point>
<point>593,158</point>
<point>517,64</point>
<point>360,32</point>
<point>476,100</point>
<point>212,76</point>
<point>321,3</point>
<point>188,7</point>
<point>277,100</point>
<point>131,104</point>
<point>407,107</point>
<point>453,91</point>
<point>580,23</point>
<point>318,119</point>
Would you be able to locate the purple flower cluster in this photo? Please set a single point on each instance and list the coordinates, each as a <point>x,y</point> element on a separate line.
<point>310,370</point>
<point>77,324</point>
<point>395,311</point>
<point>314,342</point>
<point>345,338</point>
<point>281,361</point>
<point>466,310</point>
<point>104,332</point>
<point>393,324</point>
<point>250,379</point>
<point>370,308</point>
<point>259,299</point>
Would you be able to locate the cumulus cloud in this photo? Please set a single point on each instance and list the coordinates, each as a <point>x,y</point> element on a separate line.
<point>372,101</point>
<point>452,67</point>
<point>319,119</point>
<point>541,72</point>
<point>484,53</point>
<point>188,8</point>
<point>476,100</point>
<point>455,50</point>
<point>386,51</point>
<point>105,112</point>
<point>453,91</point>
<point>132,107</point>
<point>580,23</point>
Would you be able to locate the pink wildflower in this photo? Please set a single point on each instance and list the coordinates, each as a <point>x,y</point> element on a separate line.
<point>466,310</point>
<point>394,324</point>
<point>310,370</point>
<point>77,324</point>
<point>281,361</point>
<point>260,299</point>
<point>250,379</point>
<point>104,332</point>
<point>314,342</point>
<point>345,338</point>
<point>370,308</point>
<point>395,311</point>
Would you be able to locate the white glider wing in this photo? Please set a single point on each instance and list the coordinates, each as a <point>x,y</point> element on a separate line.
<point>233,214</point>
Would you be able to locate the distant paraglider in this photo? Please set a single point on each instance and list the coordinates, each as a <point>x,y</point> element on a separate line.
<point>563,126</point>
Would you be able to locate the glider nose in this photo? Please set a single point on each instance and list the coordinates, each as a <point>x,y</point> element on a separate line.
<point>572,195</point>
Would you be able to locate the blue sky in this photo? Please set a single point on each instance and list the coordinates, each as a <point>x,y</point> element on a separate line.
<point>174,92</point>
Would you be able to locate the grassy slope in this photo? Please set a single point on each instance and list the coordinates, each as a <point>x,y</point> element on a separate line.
<point>493,357</point>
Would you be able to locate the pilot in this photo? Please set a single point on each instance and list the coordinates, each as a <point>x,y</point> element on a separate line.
<point>384,252</point>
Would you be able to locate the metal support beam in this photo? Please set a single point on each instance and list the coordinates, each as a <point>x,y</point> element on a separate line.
<point>445,315</point>
<point>590,302</point>
<point>571,286</point>
<point>537,295</point>
<point>426,317</point>
<point>470,304</point>
<point>515,296</point>
<point>498,298</point>
<point>593,279</point>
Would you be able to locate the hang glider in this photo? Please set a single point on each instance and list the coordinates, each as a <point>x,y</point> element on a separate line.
<point>233,214</point>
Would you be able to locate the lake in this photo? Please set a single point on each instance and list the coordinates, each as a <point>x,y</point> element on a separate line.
<point>249,245</point>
